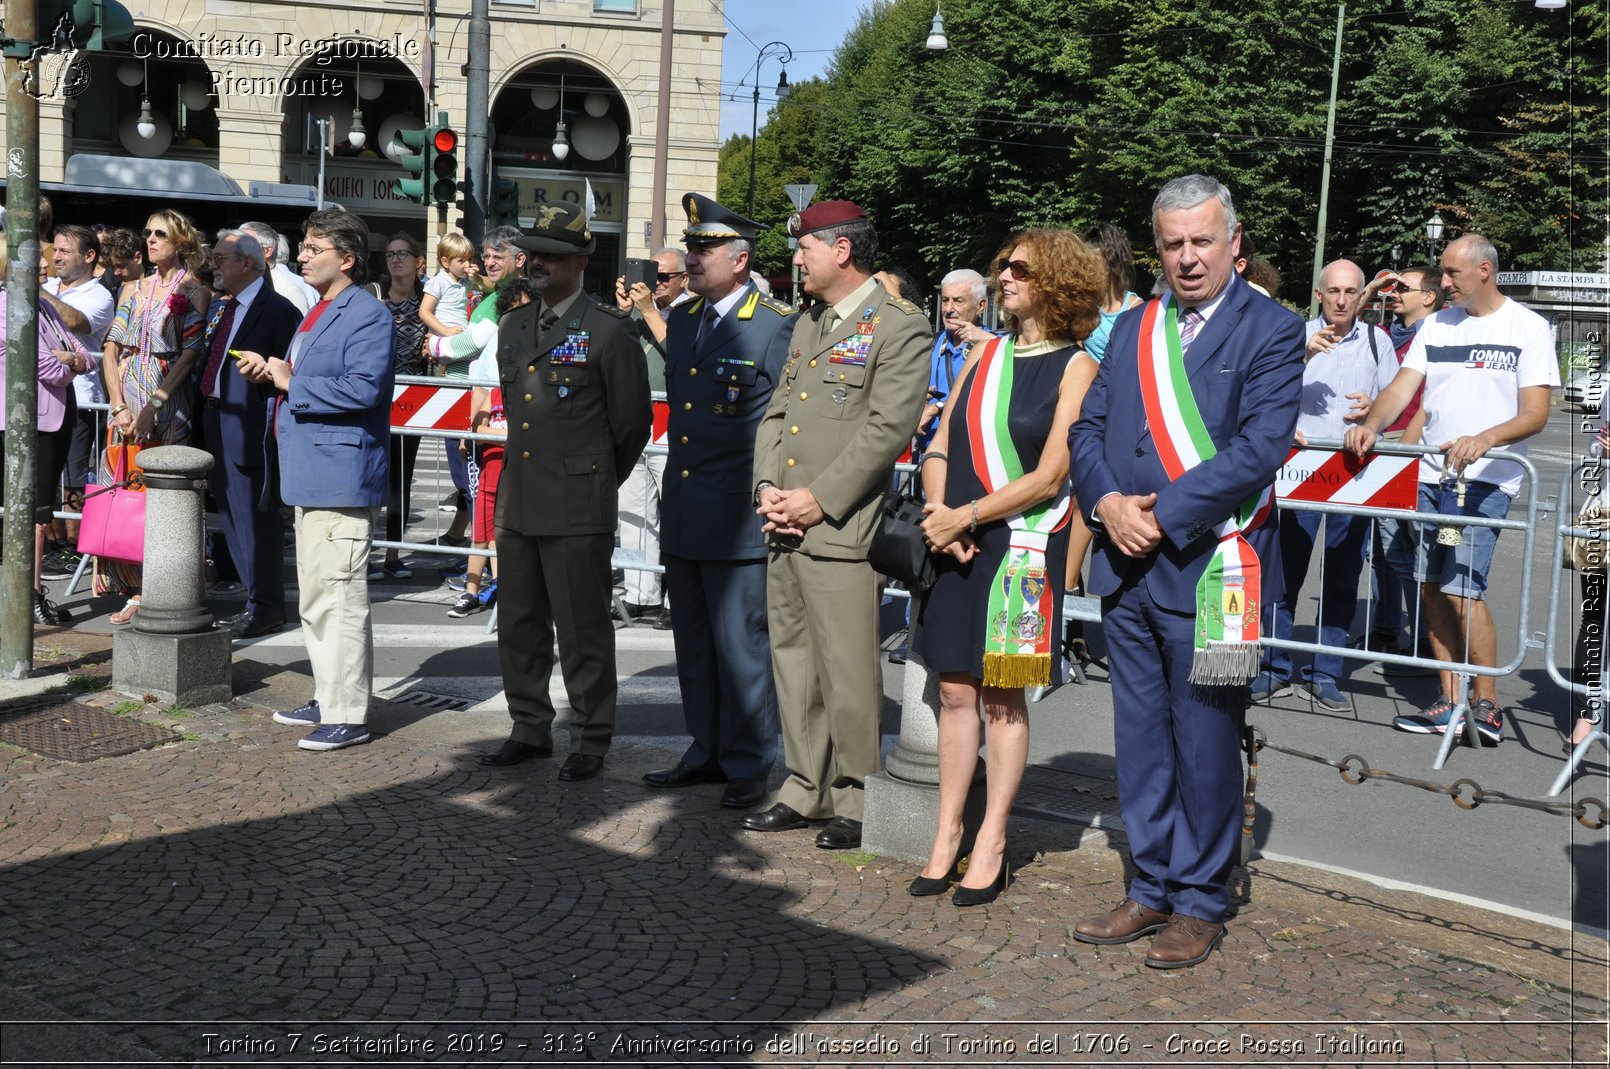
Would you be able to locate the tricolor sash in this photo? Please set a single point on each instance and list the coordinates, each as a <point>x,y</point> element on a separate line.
<point>1017,640</point>
<point>1228,601</point>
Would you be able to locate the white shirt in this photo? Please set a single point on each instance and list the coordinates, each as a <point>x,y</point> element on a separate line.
<point>1350,366</point>
<point>291,286</point>
<point>95,302</point>
<point>1475,368</point>
<point>243,304</point>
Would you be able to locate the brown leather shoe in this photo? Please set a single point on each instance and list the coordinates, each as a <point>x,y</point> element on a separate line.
<point>1128,922</point>
<point>1186,941</point>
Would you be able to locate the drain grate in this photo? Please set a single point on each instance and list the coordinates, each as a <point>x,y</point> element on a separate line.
<point>67,731</point>
<point>431,701</point>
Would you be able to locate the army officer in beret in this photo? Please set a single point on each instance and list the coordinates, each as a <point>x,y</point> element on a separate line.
<point>724,355</point>
<point>576,395</point>
<point>852,389</point>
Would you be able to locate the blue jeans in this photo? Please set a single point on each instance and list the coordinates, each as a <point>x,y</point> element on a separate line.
<point>1392,584</point>
<point>1343,562</point>
<point>1460,570</point>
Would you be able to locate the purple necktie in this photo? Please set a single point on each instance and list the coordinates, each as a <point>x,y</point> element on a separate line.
<point>1188,324</point>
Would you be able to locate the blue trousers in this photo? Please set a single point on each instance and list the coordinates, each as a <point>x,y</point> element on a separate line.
<point>723,662</point>
<point>1344,561</point>
<point>1180,777</point>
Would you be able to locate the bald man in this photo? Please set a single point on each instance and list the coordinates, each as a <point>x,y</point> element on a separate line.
<point>1347,363</point>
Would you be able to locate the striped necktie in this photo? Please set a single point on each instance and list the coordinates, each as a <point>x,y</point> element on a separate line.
<point>1189,322</point>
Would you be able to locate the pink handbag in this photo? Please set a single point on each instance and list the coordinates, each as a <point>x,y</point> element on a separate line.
<point>113,523</point>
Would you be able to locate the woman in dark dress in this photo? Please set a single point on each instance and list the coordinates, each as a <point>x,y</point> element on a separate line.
<point>996,481</point>
<point>402,291</point>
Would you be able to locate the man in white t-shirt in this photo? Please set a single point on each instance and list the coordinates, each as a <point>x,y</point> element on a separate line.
<point>1346,364</point>
<point>1488,365</point>
<point>75,253</point>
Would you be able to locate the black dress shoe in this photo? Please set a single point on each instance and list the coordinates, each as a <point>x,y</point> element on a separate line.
<point>683,776</point>
<point>262,624</point>
<point>512,752</point>
<point>579,766</point>
<point>778,818</point>
<point>842,834</point>
<point>663,621</point>
<point>743,793</point>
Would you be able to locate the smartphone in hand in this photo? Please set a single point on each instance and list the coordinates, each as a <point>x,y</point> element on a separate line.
<point>645,271</point>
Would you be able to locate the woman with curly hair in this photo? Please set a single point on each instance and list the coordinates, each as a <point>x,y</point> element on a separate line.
<point>147,359</point>
<point>998,511</point>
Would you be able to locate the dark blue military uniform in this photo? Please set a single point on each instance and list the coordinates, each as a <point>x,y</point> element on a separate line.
<point>719,387</point>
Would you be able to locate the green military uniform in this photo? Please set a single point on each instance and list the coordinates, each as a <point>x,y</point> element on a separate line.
<point>852,389</point>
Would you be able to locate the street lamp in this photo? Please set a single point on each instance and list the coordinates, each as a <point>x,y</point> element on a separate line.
<point>937,41</point>
<point>1434,227</point>
<point>785,56</point>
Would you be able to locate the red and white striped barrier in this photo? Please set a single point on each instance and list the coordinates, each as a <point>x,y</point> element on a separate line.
<point>1340,478</point>
<point>430,408</point>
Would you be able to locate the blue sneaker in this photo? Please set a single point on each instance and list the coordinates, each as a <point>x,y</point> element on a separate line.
<point>304,716</point>
<point>489,594</point>
<point>1327,695</point>
<point>335,737</point>
<point>1488,721</point>
<point>455,580</point>
<point>1433,720</point>
<point>1267,686</point>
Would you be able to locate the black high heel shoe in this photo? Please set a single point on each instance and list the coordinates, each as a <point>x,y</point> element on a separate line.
<point>983,896</point>
<point>927,886</point>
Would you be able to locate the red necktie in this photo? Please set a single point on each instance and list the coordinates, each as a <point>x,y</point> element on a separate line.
<point>220,345</point>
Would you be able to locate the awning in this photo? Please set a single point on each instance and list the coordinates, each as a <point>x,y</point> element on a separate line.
<point>123,176</point>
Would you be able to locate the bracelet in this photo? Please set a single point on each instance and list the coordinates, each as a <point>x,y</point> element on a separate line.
<point>119,410</point>
<point>926,457</point>
<point>972,527</point>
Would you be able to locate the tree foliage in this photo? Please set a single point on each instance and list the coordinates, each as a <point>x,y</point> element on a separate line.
<point>1066,112</point>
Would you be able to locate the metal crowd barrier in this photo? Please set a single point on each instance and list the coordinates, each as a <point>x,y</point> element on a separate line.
<point>1463,670</point>
<point>1566,528</point>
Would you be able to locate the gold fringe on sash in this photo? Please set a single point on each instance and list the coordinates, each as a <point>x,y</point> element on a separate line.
<point>1012,670</point>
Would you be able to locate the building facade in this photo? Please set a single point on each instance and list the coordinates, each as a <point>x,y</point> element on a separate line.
<point>213,107</point>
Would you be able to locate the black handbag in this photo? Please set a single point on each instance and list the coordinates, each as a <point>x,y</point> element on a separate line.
<point>898,549</point>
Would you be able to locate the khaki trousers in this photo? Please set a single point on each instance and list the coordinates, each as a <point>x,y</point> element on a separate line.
<point>823,617</point>
<point>332,569</point>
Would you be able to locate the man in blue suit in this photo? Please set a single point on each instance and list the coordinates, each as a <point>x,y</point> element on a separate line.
<point>724,354</point>
<point>331,422</point>
<point>250,318</point>
<point>1178,742</point>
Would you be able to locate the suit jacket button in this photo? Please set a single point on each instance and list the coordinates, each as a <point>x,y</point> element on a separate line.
<point>692,371</point>
<point>841,376</point>
<point>684,439</point>
<point>525,456</point>
<point>791,462</point>
<point>687,406</point>
<point>525,426</point>
<point>813,363</point>
<point>528,397</point>
<point>793,430</point>
<point>1139,452</point>
<point>803,396</point>
<point>531,369</point>
<point>684,473</point>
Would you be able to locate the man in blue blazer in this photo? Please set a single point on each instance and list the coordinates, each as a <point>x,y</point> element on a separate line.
<point>724,354</point>
<point>251,317</point>
<point>1179,743</point>
<point>331,422</point>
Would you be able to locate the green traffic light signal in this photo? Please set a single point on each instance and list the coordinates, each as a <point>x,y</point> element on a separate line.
<point>414,163</point>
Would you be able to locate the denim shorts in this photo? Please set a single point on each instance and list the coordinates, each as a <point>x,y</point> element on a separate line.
<point>1460,570</point>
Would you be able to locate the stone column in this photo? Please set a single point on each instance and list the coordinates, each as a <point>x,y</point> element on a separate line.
<point>173,650</point>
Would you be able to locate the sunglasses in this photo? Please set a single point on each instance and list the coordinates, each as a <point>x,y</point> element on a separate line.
<point>163,234</point>
<point>663,277</point>
<point>1018,269</point>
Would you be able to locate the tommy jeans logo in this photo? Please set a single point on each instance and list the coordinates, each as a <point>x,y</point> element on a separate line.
<point>1481,357</point>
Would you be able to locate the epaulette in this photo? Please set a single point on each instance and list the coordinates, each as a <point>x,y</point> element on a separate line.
<point>613,310</point>
<point>782,308</point>
<point>904,306</point>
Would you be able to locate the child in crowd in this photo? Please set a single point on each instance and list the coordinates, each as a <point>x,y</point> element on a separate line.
<point>486,417</point>
<point>445,308</point>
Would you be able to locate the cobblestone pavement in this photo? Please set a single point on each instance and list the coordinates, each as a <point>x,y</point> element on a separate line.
<point>214,898</point>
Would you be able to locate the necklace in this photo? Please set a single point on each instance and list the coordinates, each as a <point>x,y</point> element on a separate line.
<point>148,324</point>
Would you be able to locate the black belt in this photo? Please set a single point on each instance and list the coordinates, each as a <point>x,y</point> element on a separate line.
<point>215,402</point>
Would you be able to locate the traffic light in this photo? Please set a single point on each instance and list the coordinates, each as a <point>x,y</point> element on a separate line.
<point>444,165</point>
<point>414,162</point>
<point>505,202</point>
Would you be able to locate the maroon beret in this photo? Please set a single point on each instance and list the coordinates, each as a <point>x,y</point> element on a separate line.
<point>828,213</point>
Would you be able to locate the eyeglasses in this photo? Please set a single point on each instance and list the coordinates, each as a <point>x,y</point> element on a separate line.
<point>163,234</point>
<point>309,249</point>
<point>398,254</point>
<point>1018,269</point>
<point>663,277</point>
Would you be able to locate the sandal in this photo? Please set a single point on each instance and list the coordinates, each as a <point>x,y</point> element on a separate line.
<point>126,613</point>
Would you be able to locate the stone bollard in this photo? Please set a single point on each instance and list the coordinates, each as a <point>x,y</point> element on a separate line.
<point>902,801</point>
<point>173,651</point>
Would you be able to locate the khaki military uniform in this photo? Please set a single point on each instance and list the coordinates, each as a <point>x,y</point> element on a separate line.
<point>843,414</point>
